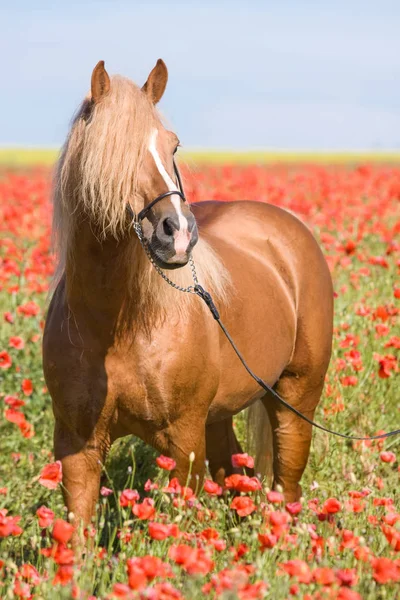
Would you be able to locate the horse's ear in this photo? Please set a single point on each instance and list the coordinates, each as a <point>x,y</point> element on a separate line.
<point>100,81</point>
<point>156,82</point>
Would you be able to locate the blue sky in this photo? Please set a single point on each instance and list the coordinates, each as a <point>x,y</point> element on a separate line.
<point>296,74</point>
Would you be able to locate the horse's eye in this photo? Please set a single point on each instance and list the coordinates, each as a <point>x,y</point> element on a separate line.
<point>176,149</point>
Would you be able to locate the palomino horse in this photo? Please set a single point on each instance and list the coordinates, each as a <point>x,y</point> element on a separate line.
<point>125,353</point>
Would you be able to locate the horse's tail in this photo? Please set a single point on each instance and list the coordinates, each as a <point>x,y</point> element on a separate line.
<point>259,440</point>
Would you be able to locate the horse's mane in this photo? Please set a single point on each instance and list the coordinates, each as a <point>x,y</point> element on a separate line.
<point>96,177</point>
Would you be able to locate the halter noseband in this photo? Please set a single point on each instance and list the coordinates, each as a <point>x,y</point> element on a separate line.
<point>143,213</point>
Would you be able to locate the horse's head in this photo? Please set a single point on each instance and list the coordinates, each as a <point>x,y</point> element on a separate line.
<point>169,226</point>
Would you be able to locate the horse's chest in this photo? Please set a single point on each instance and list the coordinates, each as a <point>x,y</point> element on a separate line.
<point>155,384</point>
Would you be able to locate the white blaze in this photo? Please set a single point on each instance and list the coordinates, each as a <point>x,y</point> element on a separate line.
<point>181,237</point>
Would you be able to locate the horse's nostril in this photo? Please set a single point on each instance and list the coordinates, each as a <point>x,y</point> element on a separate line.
<point>168,228</point>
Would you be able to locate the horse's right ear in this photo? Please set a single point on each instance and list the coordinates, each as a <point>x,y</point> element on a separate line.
<point>100,82</point>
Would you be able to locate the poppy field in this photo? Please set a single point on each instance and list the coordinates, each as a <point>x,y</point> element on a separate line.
<point>155,539</point>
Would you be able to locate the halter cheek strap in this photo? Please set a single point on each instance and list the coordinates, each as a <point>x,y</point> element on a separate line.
<point>143,213</point>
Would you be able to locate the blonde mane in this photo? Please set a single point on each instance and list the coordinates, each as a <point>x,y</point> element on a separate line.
<point>97,176</point>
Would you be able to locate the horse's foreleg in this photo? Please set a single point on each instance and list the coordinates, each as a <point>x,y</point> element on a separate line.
<point>82,462</point>
<point>291,435</point>
<point>221,443</point>
<point>187,446</point>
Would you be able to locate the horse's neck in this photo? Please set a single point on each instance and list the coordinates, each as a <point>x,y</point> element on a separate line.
<point>98,272</point>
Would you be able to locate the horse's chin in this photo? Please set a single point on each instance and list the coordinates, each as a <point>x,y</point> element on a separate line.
<point>170,264</point>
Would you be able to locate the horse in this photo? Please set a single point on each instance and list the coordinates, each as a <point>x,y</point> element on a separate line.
<point>125,353</point>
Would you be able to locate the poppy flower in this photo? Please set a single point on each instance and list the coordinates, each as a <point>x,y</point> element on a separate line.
<point>51,475</point>
<point>212,488</point>
<point>242,483</point>
<point>385,570</point>
<point>331,506</point>
<point>166,463</point>
<point>5,360</point>
<point>297,568</point>
<point>128,498</point>
<point>145,510</point>
<point>62,531</point>
<point>27,387</point>
<point>45,516</point>
<point>323,575</point>
<point>243,505</point>
<point>242,460</point>
<point>387,457</point>
<point>16,342</point>
<point>159,531</point>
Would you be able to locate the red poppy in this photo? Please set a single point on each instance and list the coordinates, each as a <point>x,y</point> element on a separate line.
<point>393,537</point>
<point>385,570</point>
<point>297,568</point>
<point>267,540</point>
<point>212,488</point>
<point>323,575</point>
<point>62,531</point>
<point>27,387</point>
<point>242,483</point>
<point>128,498</point>
<point>166,463</point>
<point>63,575</point>
<point>29,572</point>
<point>16,342</point>
<point>275,497</point>
<point>331,506</point>
<point>9,525</point>
<point>347,577</point>
<point>243,505</point>
<point>145,510</point>
<point>242,460</point>
<point>29,309</point>
<point>159,531</point>
<point>45,516</point>
<point>293,508</point>
<point>387,457</point>
<point>51,475</point>
<point>5,360</point>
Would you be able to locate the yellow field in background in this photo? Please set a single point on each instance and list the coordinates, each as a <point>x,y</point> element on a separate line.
<point>20,157</point>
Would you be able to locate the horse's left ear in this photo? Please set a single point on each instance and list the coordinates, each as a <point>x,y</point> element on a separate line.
<point>100,81</point>
<point>156,82</point>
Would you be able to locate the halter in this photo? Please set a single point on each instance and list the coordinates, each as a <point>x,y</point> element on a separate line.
<point>199,291</point>
<point>143,213</point>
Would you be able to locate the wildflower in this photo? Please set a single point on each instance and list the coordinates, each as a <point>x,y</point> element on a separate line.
<point>243,505</point>
<point>242,460</point>
<point>27,387</point>
<point>62,531</point>
<point>145,510</point>
<point>51,475</point>
<point>385,570</point>
<point>166,463</point>
<point>16,342</point>
<point>387,457</point>
<point>159,531</point>
<point>212,488</point>
<point>5,360</point>
<point>242,483</point>
<point>128,498</point>
<point>9,525</point>
<point>45,516</point>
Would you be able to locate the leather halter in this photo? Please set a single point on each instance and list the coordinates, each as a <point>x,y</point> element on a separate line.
<point>143,213</point>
